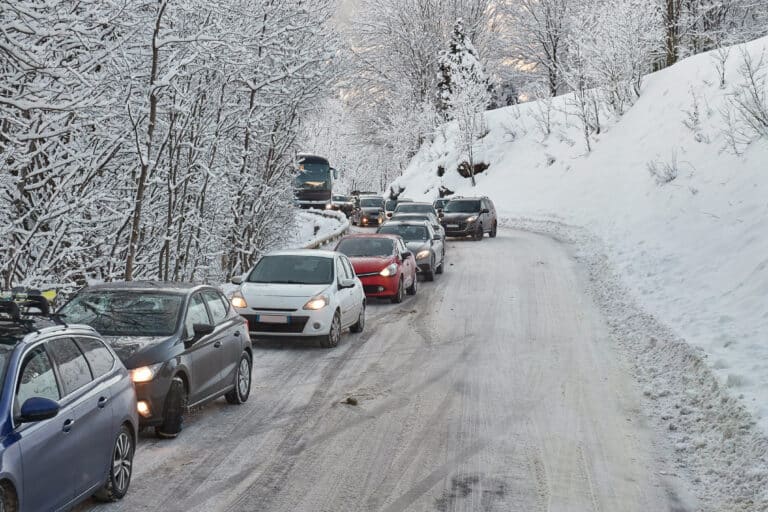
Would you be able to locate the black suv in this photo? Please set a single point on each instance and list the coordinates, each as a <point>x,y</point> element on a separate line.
<point>470,216</point>
<point>183,344</point>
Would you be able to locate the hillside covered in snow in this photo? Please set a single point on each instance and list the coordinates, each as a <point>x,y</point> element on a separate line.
<point>676,189</point>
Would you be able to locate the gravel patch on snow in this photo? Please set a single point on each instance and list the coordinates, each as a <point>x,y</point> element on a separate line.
<point>709,434</point>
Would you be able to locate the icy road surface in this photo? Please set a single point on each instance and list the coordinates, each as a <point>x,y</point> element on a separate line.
<point>494,389</point>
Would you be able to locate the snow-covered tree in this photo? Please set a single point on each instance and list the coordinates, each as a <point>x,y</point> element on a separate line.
<point>464,92</point>
<point>538,34</point>
<point>394,47</point>
<point>613,45</point>
<point>152,139</point>
<point>460,70</point>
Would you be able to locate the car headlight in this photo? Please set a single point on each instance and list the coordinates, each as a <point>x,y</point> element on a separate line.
<point>389,271</point>
<point>145,373</point>
<point>422,254</point>
<point>317,302</point>
<point>472,219</point>
<point>329,206</point>
<point>239,301</point>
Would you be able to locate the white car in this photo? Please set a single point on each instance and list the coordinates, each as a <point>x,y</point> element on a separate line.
<point>301,293</point>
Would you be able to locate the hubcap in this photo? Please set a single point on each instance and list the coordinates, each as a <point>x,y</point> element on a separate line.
<point>244,377</point>
<point>121,462</point>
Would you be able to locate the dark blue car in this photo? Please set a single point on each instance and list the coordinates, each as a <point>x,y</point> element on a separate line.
<point>68,420</point>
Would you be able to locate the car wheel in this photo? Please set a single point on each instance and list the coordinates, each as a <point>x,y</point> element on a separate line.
<point>121,469</point>
<point>492,234</point>
<point>8,500</point>
<point>398,297</point>
<point>331,339</point>
<point>439,269</point>
<point>429,275</point>
<point>479,232</point>
<point>173,415</point>
<point>239,394</point>
<point>411,290</point>
<point>360,324</point>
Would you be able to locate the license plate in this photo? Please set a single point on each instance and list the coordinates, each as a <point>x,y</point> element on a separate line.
<point>452,226</point>
<point>273,319</point>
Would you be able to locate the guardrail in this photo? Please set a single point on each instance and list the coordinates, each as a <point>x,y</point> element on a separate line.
<point>336,234</point>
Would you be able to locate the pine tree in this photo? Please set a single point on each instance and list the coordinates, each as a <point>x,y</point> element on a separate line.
<point>459,68</point>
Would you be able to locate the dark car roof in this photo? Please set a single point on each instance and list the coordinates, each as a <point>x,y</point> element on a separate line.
<point>164,286</point>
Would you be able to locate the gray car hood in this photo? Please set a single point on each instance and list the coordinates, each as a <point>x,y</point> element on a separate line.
<point>135,351</point>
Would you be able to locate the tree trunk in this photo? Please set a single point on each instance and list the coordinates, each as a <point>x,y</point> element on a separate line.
<point>145,161</point>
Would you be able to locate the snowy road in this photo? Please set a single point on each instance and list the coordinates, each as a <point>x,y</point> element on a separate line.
<point>494,389</point>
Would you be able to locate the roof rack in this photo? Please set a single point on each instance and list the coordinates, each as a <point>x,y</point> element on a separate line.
<point>19,306</point>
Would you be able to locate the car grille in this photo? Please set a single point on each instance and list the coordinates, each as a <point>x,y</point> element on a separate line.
<point>368,274</point>
<point>462,226</point>
<point>278,310</point>
<point>296,325</point>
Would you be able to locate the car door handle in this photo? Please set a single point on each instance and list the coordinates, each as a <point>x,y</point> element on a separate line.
<point>217,344</point>
<point>102,402</point>
<point>68,425</point>
<point>237,334</point>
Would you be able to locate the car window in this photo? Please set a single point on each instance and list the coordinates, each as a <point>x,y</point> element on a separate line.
<point>215,306</point>
<point>98,356</point>
<point>196,314</point>
<point>36,378</point>
<point>73,368</point>
<point>341,272</point>
<point>348,267</point>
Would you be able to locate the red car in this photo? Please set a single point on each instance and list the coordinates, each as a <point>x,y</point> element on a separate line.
<point>383,263</point>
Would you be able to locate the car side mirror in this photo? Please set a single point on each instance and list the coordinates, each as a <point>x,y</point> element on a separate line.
<point>346,283</point>
<point>237,280</point>
<point>485,210</point>
<point>38,408</point>
<point>406,254</point>
<point>201,330</point>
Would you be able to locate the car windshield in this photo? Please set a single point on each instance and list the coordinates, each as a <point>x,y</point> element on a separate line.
<point>414,208</point>
<point>409,232</point>
<point>441,203</point>
<point>462,207</point>
<point>371,203</point>
<point>293,269</point>
<point>341,199</point>
<point>314,176</point>
<point>390,205</point>
<point>126,312</point>
<point>366,247</point>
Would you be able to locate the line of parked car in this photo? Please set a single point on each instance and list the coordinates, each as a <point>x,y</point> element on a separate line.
<point>79,384</point>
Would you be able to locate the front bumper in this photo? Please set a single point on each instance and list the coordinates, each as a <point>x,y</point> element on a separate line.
<point>460,229</point>
<point>371,221</point>
<point>379,286</point>
<point>153,393</point>
<point>298,323</point>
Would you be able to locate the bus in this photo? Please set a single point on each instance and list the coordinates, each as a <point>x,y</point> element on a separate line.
<point>314,182</point>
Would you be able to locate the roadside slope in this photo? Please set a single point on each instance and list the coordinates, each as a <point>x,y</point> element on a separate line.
<point>693,250</point>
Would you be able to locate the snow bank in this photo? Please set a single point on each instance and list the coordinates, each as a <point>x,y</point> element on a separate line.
<point>694,251</point>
